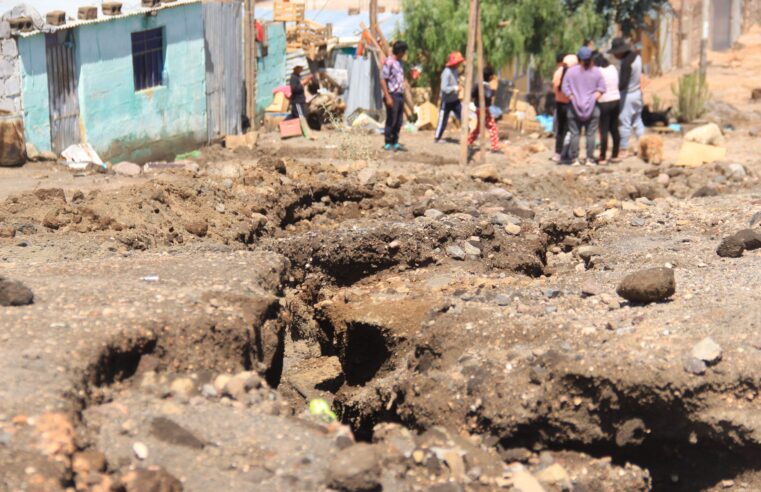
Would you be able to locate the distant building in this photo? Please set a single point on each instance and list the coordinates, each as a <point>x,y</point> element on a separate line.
<point>141,85</point>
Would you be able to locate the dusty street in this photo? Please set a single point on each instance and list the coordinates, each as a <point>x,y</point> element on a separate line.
<point>463,323</point>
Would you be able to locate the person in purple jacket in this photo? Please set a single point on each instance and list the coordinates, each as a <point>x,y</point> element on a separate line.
<point>584,85</point>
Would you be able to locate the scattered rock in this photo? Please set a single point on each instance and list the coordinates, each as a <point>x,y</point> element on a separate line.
<point>513,229</point>
<point>49,156</point>
<point>694,366</point>
<point>586,253</point>
<point>197,227</point>
<point>645,286</point>
<point>434,214</point>
<point>631,433</point>
<point>705,191</point>
<point>127,169</point>
<point>505,219</point>
<point>8,232</point>
<point>555,476</point>
<point>737,172</point>
<point>638,222</point>
<point>755,219</point>
<point>89,461</point>
<point>579,212</point>
<point>750,239</point>
<point>707,350</point>
<point>456,252</point>
<point>153,479</point>
<point>14,293</point>
<point>140,450</point>
<point>663,179</point>
<point>209,391</point>
<point>470,250</point>
<point>356,468</point>
<point>502,300</point>
<point>393,182</point>
<point>523,481</point>
<point>731,247</point>
<point>182,388</point>
<point>590,289</point>
<point>485,172</point>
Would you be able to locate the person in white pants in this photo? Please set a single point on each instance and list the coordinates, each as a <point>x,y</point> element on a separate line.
<point>629,86</point>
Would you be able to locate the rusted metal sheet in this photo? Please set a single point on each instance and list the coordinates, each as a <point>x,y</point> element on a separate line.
<point>223,34</point>
<point>62,90</point>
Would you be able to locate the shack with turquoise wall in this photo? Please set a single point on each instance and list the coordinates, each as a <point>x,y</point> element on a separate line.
<point>270,67</point>
<point>119,120</point>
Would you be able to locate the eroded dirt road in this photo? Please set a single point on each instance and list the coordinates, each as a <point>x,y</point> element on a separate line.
<point>463,323</point>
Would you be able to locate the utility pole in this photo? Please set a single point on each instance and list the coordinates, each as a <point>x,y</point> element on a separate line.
<point>468,81</point>
<point>249,59</point>
<point>704,39</point>
<point>374,17</point>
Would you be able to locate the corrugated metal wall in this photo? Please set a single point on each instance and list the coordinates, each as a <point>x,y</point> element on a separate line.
<point>62,89</point>
<point>223,36</point>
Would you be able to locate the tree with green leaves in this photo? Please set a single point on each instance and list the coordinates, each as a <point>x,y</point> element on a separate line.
<point>512,29</point>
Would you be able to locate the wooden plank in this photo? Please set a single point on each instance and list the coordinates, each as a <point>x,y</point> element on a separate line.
<point>481,95</point>
<point>468,81</point>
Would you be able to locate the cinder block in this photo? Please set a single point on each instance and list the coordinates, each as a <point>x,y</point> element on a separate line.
<point>111,8</point>
<point>56,18</point>
<point>22,24</point>
<point>87,13</point>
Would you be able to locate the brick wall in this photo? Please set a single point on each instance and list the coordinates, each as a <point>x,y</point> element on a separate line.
<point>10,77</point>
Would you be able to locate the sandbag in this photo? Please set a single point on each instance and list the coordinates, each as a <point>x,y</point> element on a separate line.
<point>12,145</point>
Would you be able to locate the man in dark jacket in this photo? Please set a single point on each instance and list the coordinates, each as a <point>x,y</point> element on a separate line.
<point>298,95</point>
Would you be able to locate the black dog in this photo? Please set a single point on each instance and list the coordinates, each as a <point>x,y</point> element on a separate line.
<point>655,118</point>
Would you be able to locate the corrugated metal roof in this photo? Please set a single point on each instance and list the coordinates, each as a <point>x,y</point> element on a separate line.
<point>129,8</point>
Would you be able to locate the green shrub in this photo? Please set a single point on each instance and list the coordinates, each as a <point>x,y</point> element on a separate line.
<point>692,94</point>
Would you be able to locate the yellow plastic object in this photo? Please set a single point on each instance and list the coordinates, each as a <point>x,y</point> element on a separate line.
<point>320,408</point>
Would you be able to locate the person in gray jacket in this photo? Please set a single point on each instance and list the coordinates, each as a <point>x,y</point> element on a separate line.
<point>450,93</point>
<point>629,85</point>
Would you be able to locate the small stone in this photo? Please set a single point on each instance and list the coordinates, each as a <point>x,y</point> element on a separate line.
<point>736,171</point>
<point>610,214</point>
<point>755,219</point>
<point>513,229</point>
<point>487,173</point>
<point>631,433</point>
<point>48,156</point>
<point>587,252</point>
<point>731,247</point>
<point>418,456</point>
<point>89,461</point>
<point>154,478</point>
<point>434,214</point>
<point>209,391</point>
<point>502,300</point>
<point>727,484</point>
<point>505,219</point>
<point>182,388</point>
<point>356,468</point>
<point>140,450</point>
<point>8,232</point>
<point>663,179</point>
<point>645,286</point>
<point>471,250</point>
<point>637,222</point>
<point>579,212</point>
<point>751,239</point>
<point>555,475</point>
<point>393,182</point>
<point>523,481</point>
<point>394,245</point>
<point>14,293</point>
<point>705,191</point>
<point>695,366</point>
<point>32,153</point>
<point>197,227</point>
<point>707,350</point>
<point>455,252</point>
<point>590,289</point>
<point>552,293</point>
<point>127,169</point>
<point>221,381</point>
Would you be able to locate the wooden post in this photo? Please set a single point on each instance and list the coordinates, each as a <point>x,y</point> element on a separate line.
<point>469,52</point>
<point>481,96</point>
<point>704,38</point>
<point>373,16</point>
<point>249,59</point>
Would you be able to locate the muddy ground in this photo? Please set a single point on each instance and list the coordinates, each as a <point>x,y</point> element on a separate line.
<point>463,323</point>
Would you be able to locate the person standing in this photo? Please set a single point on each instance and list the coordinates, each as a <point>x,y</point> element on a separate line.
<point>392,84</point>
<point>610,107</point>
<point>629,85</point>
<point>450,98</point>
<point>491,125</point>
<point>561,105</point>
<point>584,85</point>
<point>298,96</point>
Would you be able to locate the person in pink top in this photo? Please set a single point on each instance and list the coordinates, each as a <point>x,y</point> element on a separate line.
<point>561,105</point>
<point>610,108</point>
<point>584,85</point>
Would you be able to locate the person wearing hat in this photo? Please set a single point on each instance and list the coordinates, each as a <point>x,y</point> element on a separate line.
<point>583,85</point>
<point>630,87</point>
<point>298,96</point>
<point>450,97</point>
<point>561,105</point>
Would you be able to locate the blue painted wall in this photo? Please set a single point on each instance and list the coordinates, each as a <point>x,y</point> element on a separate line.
<point>270,69</point>
<point>155,123</point>
<point>118,122</point>
<point>34,88</point>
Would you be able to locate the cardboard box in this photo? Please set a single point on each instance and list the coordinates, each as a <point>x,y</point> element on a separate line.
<point>290,128</point>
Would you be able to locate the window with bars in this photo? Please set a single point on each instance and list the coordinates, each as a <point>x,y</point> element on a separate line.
<point>148,58</point>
